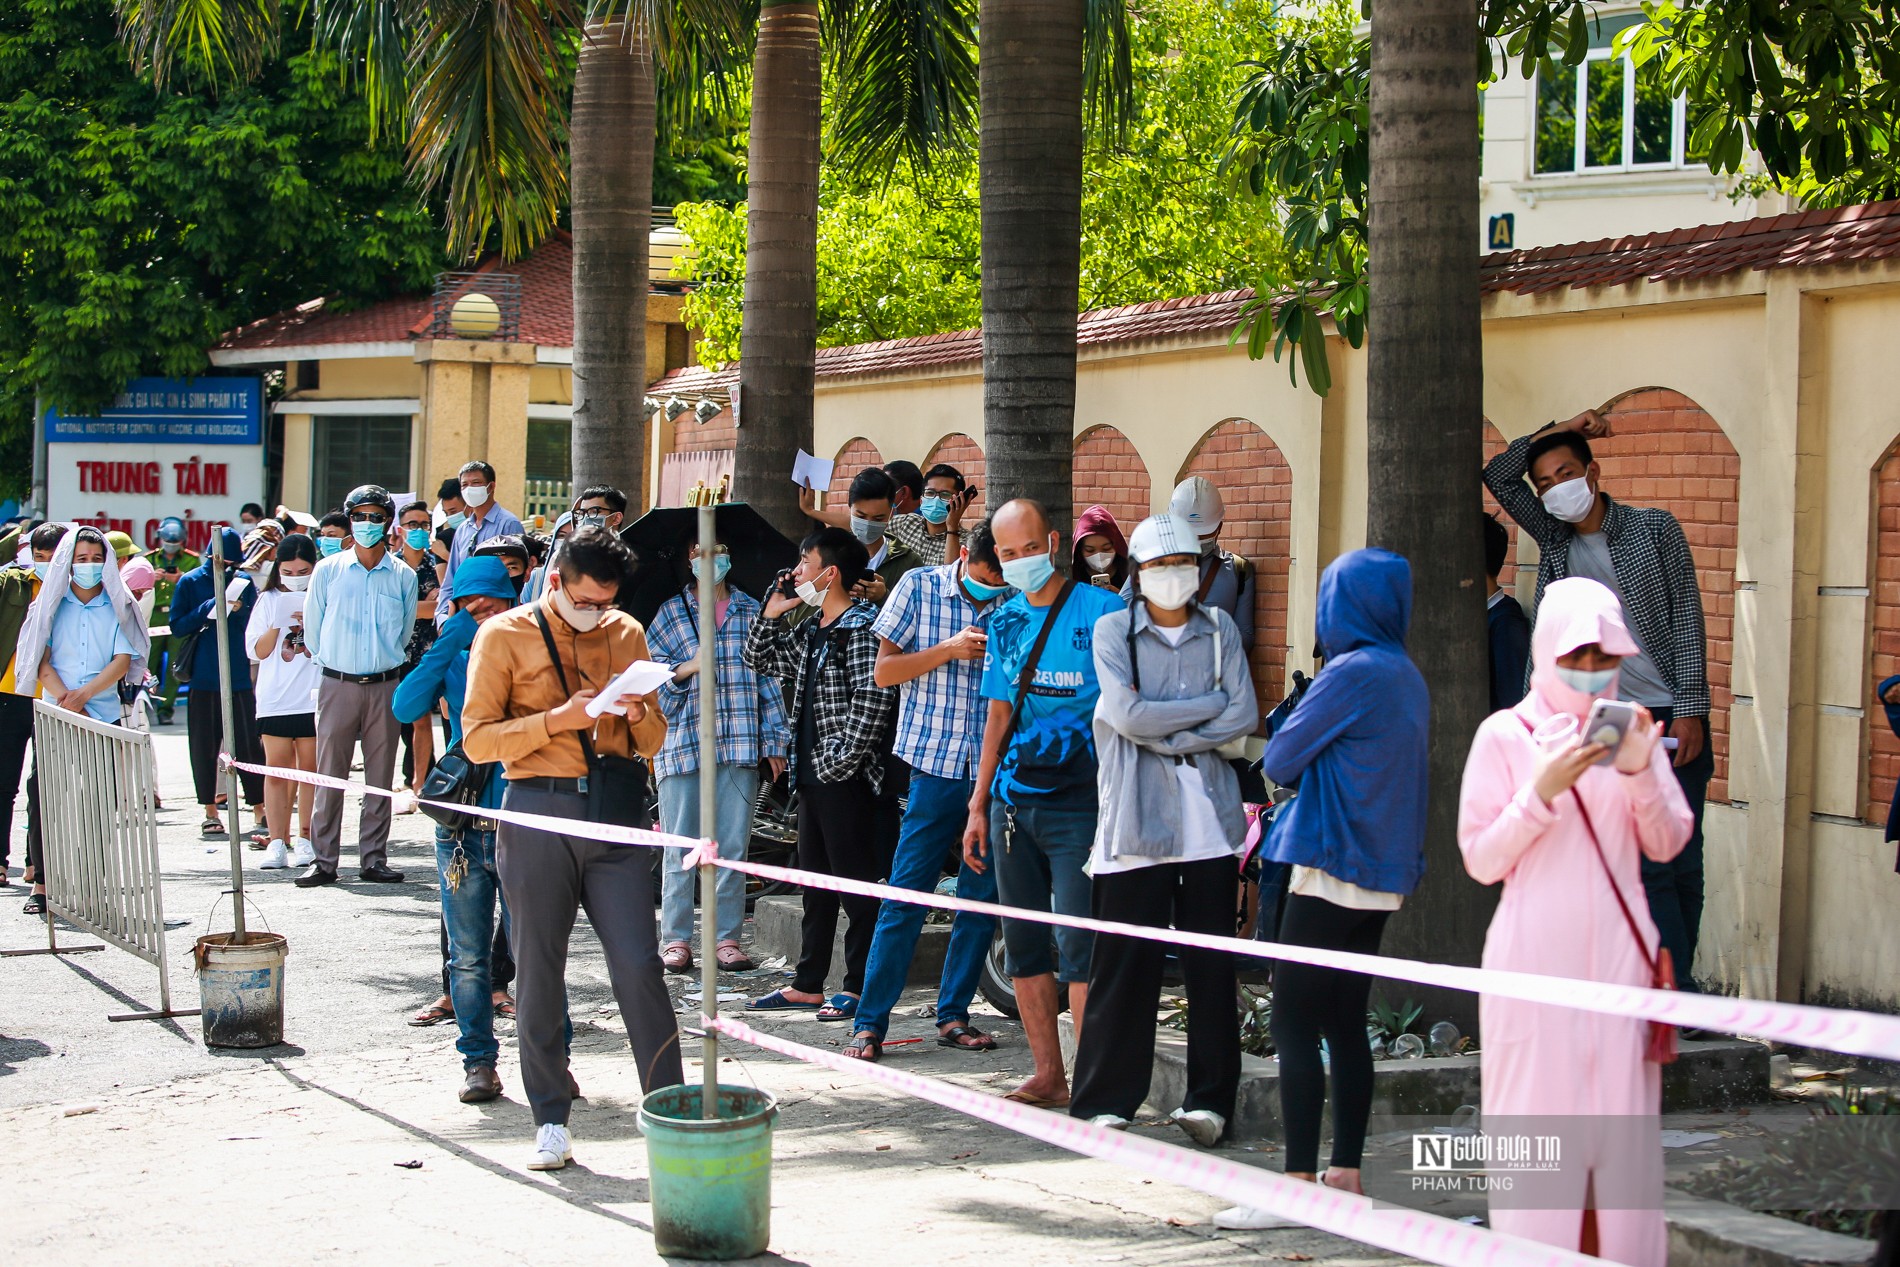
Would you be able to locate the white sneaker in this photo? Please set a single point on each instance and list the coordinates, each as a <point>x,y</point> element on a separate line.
<point>276,857</point>
<point>1110,1121</point>
<point>304,854</point>
<point>551,1150</point>
<point>1203,1126</point>
<point>1245,1218</point>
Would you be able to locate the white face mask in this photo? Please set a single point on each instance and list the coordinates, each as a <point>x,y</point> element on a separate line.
<point>296,584</point>
<point>811,594</point>
<point>580,621</point>
<point>1100,562</point>
<point>475,495</point>
<point>1570,501</point>
<point>1170,588</point>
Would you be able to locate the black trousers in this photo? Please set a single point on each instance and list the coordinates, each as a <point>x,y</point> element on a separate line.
<point>16,735</point>
<point>204,725</point>
<point>838,834</point>
<point>1115,1062</point>
<point>501,964</point>
<point>1310,1003</point>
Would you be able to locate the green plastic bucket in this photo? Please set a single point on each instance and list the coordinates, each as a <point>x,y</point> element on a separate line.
<point>711,1180</point>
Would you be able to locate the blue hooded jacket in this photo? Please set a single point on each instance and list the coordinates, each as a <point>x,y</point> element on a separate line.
<point>194,601</point>
<point>442,673</point>
<point>1357,741</point>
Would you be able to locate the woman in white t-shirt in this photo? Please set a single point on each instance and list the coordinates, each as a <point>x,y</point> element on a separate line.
<point>287,680</point>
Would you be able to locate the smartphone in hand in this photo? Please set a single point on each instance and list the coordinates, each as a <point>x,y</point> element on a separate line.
<point>1609,723</point>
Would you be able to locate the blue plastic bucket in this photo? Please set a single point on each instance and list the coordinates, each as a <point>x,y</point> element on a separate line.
<point>711,1180</point>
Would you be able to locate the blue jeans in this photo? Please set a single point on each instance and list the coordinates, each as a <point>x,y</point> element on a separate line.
<point>469,914</point>
<point>1038,850</point>
<point>933,826</point>
<point>679,816</point>
<point>1674,888</point>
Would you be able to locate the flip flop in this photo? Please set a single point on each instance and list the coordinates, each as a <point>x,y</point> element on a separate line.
<point>1036,1101</point>
<point>953,1037</point>
<point>842,1007</point>
<point>864,1047</point>
<point>432,1015</point>
<point>777,1002</point>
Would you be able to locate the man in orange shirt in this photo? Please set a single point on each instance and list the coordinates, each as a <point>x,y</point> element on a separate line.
<point>527,709</point>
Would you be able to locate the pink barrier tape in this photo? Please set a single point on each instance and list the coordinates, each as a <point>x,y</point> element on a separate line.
<point>1835,1029</point>
<point>1413,1232</point>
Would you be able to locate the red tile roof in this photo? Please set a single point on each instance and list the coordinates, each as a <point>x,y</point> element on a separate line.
<point>547,310</point>
<point>1802,239</point>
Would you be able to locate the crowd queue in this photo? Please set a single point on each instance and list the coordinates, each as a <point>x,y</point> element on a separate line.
<point>1062,721</point>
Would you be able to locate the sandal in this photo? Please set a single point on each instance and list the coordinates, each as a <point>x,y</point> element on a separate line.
<point>864,1047</point>
<point>434,1014</point>
<point>35,905</point>
<point>677,958</point>
<point>505,1006</point>
<point>211,829</point>
<point>777,1002</point>
<point>954,1036</point>
<point>841,1008</point>
<point>733,959</point>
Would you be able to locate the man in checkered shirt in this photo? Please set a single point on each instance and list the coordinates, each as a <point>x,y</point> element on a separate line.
<point>931,642</point>
<point>1643,556</point>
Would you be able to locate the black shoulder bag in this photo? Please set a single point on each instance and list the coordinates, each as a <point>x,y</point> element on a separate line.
<point>455,780</point>
<point>1028,673</point>
<point>616,786</point>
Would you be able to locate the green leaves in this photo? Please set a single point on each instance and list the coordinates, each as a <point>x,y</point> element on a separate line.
<point>903,81</point>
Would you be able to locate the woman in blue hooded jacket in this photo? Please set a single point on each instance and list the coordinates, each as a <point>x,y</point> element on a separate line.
<point>1355,837</point>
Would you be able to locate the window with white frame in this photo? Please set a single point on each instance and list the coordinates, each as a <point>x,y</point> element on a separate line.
<point>1608,115</point>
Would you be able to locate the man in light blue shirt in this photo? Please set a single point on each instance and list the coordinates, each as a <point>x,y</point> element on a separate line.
<point>485,522</point>
<point>357,621</point>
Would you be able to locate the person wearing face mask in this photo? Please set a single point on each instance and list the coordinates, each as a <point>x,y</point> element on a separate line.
<point>333,534</point>
<point>514,556</point>
<point>194,611</point>
<point>536,584</point>
<point>486,519</point>
<point>1641,554</point>
<point>532,673</point>
<point>1355,839</point>
<point>449,513</point>
<point>171,560</point>
<point>1227,579</point>
<point>1100,556</point>
<point>873,499</point>
<point>1033,803</point>
<point>1567,831</point>
<point>749,716</point>
<point>19,586</point>
<point>841,725</point>
<point>1175,686</point>
<point>287,684</point>
<point>358,614</point>
<point>412,544</point>
<point>601,504</point>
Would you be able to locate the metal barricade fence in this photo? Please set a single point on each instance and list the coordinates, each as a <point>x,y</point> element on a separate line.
<point>99,833</point>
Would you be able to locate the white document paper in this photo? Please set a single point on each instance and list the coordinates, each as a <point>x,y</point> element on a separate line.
<point>303,519</point>
<point>235,590</point>
<point>642,677</point>
<point>810,472</point>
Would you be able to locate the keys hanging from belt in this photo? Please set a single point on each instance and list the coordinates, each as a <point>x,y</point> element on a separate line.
<point>457,870</point>
<point>1009,826</point>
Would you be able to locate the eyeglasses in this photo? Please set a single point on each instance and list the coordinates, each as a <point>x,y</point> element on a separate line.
<point>593,512</point>
<point>578,605</point>
<point>365,517</point>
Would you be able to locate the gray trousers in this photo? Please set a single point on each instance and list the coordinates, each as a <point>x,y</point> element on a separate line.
<point>349,713</point>
<point>545,878</point>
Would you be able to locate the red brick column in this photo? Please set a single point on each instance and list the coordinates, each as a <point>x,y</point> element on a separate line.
<point>966,455</point>
<point>1494,445</point>
<point>1109,472</point>
<point>1883,765</point>
<point>854,457</point>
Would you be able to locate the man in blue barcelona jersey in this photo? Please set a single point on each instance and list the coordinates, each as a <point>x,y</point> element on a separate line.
<point>1033,810</point>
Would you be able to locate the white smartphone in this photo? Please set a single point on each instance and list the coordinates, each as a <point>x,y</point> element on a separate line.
<point>1609,721</point>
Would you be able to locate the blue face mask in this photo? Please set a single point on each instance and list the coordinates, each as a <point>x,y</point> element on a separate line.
<point>454,521</point>
<point>980,592</point>
<point>418,538</point>
<point>935,508</point>
<point>88,575</point>
<point>40,569</point>
<point>367,535</point>
<point>1589,681</point>
<point>722,564</point>
<point>327,546</point>
<point>1029,573</point>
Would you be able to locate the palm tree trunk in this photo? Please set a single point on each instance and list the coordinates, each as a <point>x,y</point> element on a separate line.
<point>1424,411</point>
<point>1030,171</point>
<point>779,330</point>
<point>612,178</point>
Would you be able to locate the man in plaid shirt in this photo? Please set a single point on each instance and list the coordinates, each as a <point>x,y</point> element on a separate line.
<point>1644,558</point>
<point>841,721</point>
<point>931,643</point>
<point>750,718</point>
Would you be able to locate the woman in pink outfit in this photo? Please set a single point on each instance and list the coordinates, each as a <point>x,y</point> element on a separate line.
<point>1581,1074</point>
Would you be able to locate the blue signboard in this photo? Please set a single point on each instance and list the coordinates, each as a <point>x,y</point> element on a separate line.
<point>171,411</point>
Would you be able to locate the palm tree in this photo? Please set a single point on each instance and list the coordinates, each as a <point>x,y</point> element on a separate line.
<point>1424,384</point>
<point>479,88</point>
<point>1039,61</point>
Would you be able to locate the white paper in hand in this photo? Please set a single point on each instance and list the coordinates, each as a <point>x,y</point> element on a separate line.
<point>810,472</point>
<point>235,590</point>
<point>642,677</point>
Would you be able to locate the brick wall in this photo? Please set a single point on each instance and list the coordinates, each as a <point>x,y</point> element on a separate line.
<point>690,435</point>
<point>1256,486</point>
<point>854,457</point>
<point>1109,472</point>
<point>1883,766</point>
<point>1668,452</point>
<point>1494,445</point>
<point>966,455</point>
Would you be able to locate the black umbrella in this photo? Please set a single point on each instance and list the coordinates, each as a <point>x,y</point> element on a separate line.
<point>662,540</point>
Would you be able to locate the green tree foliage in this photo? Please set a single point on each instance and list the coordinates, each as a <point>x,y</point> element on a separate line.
<point>137,225</point>
<point>898,253</point>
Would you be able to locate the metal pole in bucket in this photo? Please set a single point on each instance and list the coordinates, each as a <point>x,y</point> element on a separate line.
<point>233,798</point>
<point>708,817</point>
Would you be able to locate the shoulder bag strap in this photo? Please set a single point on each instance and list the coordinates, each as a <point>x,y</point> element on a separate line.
<point>1028,673</point>
<point>547,636</point>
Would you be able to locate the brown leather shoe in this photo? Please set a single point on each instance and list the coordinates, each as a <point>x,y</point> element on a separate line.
<point>480,1085</point>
